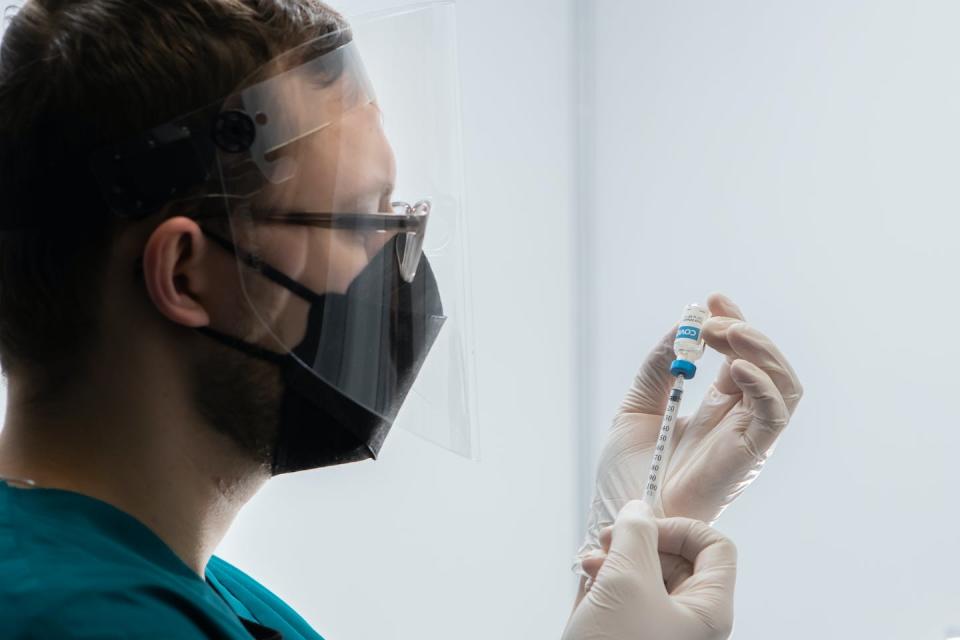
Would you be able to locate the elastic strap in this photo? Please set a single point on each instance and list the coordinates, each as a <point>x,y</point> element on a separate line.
<point>269,272</point>
<point>250,349</point>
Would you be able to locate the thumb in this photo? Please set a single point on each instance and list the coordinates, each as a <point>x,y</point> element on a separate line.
<point>633,560</point>
<point>651,386</point>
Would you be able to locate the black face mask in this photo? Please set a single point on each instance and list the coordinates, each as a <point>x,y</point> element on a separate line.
<point>345,381</point>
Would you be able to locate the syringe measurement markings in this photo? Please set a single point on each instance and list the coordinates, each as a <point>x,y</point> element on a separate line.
<point>688,346</point>
<point>663,438</point>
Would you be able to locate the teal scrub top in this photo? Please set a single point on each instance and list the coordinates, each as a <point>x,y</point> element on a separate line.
<point>73,567</point>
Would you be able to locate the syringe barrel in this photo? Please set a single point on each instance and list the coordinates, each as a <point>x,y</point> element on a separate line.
<point>688,344</point>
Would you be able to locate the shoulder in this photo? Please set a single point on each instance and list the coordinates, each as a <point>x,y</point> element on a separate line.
<point>226,577</point>
<point>72,567</point>
<point>75,591</point>
<point>138,611</point>
<point>249,598</point>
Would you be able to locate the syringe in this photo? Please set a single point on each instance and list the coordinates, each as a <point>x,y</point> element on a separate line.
<point>688,347</point>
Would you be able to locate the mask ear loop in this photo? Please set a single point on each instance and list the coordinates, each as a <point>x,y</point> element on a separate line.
<point>250,349</point>
<point>268,271</point>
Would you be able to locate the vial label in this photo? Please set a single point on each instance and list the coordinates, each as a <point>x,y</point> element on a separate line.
<point>688,344</point>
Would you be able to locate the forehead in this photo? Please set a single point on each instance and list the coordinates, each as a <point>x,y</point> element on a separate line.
<point>319,133</point>
<point>337,167</point>
<point>294,101</point>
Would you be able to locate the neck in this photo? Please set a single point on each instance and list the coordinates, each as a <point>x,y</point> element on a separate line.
<point>138,450</point>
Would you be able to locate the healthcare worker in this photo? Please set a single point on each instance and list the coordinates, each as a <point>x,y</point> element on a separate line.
<point>207,279</point>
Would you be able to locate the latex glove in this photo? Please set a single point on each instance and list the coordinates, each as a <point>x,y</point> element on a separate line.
<point>628,600</point>
<point>719,449</point>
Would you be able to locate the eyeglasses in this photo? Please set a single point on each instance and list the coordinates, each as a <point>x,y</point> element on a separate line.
<point>409,221</point>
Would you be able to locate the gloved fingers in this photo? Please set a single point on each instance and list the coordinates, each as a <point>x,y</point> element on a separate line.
<point>651,386</point>
<point>715,334</point>
<point>769,412</point>
<point>606,536</point>
<point>724,312</point>
<point>632,558</point>
<point>721,305</point>
<point>723,382</point>
<point>752,345</point>
<point>593,560</point>
<point>712,409</point>
<point>708,591</point>
<point>591,565</point>
<point>708,551</point>
<point>724,393</point>
<point>676,570</point>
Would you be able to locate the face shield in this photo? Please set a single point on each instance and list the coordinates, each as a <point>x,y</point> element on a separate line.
<point>337,187</point>
<point>421,117</point>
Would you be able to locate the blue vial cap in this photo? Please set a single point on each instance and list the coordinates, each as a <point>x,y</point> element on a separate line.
<point>683,368</point>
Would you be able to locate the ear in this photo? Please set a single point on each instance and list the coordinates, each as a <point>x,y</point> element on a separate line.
<point>175,272</point>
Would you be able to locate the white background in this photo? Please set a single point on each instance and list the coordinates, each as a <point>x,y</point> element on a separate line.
<point>803,157</point>
<point>623,158</point>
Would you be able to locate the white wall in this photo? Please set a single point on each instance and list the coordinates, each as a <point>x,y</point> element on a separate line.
<point>421,544</point>
<point>804,158</point>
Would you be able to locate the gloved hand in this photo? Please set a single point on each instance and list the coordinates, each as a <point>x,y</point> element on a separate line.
<point>627,598</point>
<point>719,449</point>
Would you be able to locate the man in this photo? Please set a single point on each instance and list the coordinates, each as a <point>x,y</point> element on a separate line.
<point>205,282</point>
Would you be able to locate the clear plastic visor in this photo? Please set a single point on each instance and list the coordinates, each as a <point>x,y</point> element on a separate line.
<point>348,232</point>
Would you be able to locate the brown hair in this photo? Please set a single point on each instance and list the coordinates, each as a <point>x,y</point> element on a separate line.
<point>79,74</point>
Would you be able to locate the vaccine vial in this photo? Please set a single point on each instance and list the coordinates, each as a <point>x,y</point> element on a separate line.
<point>688,344</point>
